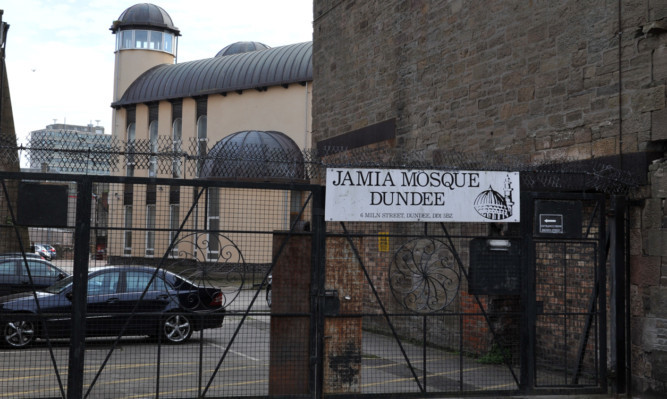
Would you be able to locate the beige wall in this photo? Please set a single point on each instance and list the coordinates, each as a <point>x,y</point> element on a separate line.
<point>284,110</point>
<point>281,109</point>
<point>131,63</point>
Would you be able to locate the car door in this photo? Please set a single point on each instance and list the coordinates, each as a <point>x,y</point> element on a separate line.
<point>147,310</point>
<point>9,279</point>
<point>104,311</point>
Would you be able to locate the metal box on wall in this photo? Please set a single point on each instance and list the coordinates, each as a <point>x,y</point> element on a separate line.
<point>42,205</point>
<point>495,266</point>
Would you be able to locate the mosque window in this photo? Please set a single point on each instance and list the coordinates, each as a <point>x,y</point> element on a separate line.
<point>168,42</point>
<point>145,39</point>
<point>177,131</point>
<point>202,140</point>
<point>174,225</point>
<point>152,139</point>
<point>127,245</point>
<point>155,40</point>
<point>140,39</point>
<point>130,149</point>
<point>213,224</point>
<point>150,230</point>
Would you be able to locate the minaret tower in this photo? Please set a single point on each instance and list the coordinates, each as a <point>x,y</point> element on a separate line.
<point>145,37</point>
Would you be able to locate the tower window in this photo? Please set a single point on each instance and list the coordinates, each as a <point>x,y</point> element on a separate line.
<point>145,39</point>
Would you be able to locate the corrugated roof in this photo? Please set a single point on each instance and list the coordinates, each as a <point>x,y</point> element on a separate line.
<point>252,70</point>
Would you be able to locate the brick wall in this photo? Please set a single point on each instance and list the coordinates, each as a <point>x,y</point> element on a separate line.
<point>536,80</point>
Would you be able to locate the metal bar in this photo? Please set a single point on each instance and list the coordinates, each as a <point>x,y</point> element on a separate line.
<point>479,303</point>
<point>143,294</point>
<point>384,310</point>
<point>528,304</point>
<point>602,306</point>
<point>424,351</point>
<point>318,280</point>
<point>254,298</point>
<point>77,350</point>
<point>565,318</point>
<point>618,267</point>
<point>581,352</point>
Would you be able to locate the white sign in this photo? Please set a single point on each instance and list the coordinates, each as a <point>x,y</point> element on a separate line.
<point>409,195</point>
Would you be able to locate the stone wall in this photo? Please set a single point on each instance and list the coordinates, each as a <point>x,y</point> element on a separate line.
<point>539,81</point>
<point>648,290</point>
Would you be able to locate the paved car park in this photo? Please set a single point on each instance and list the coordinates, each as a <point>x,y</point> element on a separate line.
<point>133,368</point>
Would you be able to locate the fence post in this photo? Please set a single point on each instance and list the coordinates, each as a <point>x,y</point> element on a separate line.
<point>317,287</point>
<point>528,306</point>
<point>618,337</point>
<point>79,288</point>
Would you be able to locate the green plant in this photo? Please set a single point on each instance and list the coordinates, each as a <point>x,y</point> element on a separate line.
<point>497,355</point>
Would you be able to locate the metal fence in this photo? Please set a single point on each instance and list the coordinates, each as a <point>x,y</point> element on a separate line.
<point>230,283</point>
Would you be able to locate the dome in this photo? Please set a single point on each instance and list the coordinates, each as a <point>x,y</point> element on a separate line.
<point>254,155</point>
<point>145,16</point>
<point>492,205</point>
<point>241,47</point>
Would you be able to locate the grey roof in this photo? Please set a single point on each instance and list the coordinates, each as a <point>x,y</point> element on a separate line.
<point>241,47</point>
<point>254,155</point>
<point>144,16</point>
<point>253,70</point>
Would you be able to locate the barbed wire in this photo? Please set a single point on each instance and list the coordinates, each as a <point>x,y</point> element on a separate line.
<point>194,158</point>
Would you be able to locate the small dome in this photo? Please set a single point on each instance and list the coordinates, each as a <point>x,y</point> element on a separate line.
<point>254,155</point>
<point>145,16</point>
<point>241,47</point>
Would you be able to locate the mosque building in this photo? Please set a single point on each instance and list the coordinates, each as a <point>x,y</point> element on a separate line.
<point>248,94</point>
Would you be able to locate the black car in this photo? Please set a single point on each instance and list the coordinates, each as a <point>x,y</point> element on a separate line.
<point>14,276</point>
<point>172,307</point>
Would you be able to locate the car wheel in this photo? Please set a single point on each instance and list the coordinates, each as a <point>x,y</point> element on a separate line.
<point>268,295</point>
<point>19,333</point>
<point>176,328</point>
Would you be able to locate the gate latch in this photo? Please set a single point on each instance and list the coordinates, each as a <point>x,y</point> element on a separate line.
<point>331,303</point>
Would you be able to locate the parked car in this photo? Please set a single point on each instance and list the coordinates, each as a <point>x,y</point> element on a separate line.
<point>43,252</point>
<point>172,307</point>
<point>14,276</point>
<point>20,255</point>
<point>50,249</point>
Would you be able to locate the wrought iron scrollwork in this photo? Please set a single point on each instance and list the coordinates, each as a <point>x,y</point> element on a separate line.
<point>424,276</point>
<point>210,261</point>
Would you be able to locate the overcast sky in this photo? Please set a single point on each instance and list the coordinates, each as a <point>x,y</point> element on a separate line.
<point>60,53</point>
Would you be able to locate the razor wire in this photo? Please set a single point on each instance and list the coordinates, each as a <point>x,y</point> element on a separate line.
<point>193,158</point>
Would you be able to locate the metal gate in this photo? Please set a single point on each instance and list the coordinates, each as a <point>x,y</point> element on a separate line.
<point>160,286</point>
<point>425,309</point>
<point>357,309</point>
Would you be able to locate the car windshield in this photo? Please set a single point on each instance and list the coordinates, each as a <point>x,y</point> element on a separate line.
<point>59,286</point>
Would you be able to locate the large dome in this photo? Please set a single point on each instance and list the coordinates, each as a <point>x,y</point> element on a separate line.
<point>241,47</point>
<point>145,16</point>
<point>254,155</point>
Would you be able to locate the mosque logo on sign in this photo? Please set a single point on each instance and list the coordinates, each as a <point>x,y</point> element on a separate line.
<point>493,205</point>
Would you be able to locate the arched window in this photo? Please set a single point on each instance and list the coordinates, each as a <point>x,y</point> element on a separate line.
<point>176,136</point>
<point>152,139</point>
<point>130,148</point>
<point>202,140</point>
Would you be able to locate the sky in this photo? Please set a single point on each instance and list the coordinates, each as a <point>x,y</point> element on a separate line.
<point>60,53</point>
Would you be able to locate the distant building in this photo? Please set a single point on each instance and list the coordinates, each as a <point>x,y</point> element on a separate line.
<point>63,148</point>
